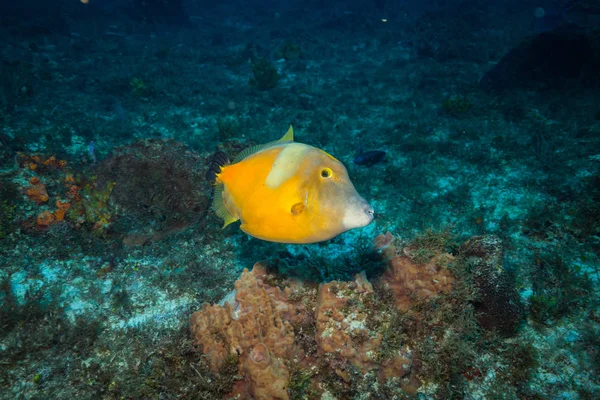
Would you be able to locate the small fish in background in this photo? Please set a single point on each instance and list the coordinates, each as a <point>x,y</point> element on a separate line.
<point>369,158</point>
<point>287,192</point>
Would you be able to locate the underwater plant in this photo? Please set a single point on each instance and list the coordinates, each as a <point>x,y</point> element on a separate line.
<point>265,74</point>
<point>456,105</point>
<point>159,188</point>
<point>138,86</point>
<point>289,51</point>
<point>228,127</point>
<point>558,288</point>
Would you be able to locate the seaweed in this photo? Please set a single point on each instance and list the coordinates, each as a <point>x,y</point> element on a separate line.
<point>265,74</point>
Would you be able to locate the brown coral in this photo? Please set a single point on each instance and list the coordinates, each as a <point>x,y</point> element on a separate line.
<point>257,328</point>
<point>160,186</point>
<point>268,375</point>
<point>44,219</point>
<point>408,279</point>
<point>73,192</point>
<point>253,329</point>
<point>37,191</point>
<point>36,162</point>
<point>347,337</point>
<point>209,326</point>
<point>342,327</point>
<point>61,210</point>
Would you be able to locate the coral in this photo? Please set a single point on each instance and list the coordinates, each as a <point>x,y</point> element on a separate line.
<point>253,329</point>
<point>144,191</point>
<point>409,280</point>
<point>572,61</point>
<point>269,328</point>
<point>344,333</point>
<point>39,163</point>
<point>95,203</point>
<point>37,191</point>
<point>61,210</point>
<point>209,326</point>
<point>86,202</point>
<point>89,206</point>
<point>44,219</point>
<point>268,375</point>
<point>498,305</point>
<point>159,188</point>
<point>265,74</point>
<point>72,190</point>
<point>415,325</point>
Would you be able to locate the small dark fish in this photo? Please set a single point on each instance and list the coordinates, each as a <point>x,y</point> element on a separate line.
<point>369,158</point>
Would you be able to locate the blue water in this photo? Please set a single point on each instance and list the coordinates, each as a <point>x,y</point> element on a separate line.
<point>482,120</point>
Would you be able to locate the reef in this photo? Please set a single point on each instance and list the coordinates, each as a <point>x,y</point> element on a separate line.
<point>487,286</point>
<point>142,192</point>
<point>159,188</point>
<point>282,331</point>
<point>563,57</point>
<point>409,280</point>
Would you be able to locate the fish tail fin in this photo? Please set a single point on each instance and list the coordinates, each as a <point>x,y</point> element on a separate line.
<point>218,161</point>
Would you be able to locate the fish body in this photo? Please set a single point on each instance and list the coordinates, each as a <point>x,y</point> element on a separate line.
<point>288,192</point>
<point>369,158</point>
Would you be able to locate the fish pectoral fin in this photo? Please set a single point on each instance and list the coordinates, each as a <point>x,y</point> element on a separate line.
<point>297,208</point>
<point>220,209</point>
<point>229,219</point>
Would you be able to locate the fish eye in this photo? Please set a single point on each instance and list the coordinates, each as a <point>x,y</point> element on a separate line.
<point>326,173</point>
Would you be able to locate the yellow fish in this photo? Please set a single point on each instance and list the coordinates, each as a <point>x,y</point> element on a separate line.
<point>287,192</point>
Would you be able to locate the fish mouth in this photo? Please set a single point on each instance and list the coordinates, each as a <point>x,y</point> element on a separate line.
<point>370,213</point>
<point>359,215</point>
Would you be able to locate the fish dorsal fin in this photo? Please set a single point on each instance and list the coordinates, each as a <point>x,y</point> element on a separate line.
<point>288,137</point>
<point>219,207</point>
